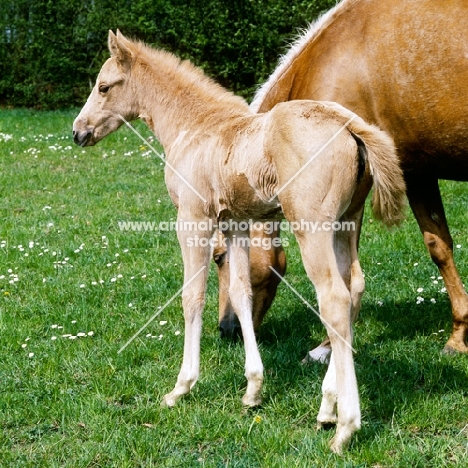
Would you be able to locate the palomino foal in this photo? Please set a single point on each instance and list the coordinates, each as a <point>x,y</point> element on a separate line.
<point>314,161</point>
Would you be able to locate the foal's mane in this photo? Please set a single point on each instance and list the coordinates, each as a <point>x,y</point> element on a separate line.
<point>307,37</point>
<point>184,74</point>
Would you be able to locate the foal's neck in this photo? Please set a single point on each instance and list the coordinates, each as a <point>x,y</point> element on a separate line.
<point>177,97</point>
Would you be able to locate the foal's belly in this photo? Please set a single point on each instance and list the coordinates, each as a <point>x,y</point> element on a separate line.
<point>241,201</point>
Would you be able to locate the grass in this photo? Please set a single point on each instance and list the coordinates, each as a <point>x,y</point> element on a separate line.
<point>79,403</point>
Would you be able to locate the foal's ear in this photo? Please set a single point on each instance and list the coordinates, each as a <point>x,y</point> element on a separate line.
<point>118,47</point>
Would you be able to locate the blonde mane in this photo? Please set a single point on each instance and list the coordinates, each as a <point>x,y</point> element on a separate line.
<point>314,30</point>
<point>190,77</point>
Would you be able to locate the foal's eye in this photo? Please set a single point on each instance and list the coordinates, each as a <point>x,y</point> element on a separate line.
<point>103,89</point>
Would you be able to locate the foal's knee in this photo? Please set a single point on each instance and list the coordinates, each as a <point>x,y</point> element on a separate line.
<point>192,303</point>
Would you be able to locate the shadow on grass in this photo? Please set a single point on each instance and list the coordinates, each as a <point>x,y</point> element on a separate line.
<point>407,320</point>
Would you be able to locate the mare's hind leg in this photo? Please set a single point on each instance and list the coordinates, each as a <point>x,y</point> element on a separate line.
<point>426,203</point>
<point>346,240</point>
<point>334,298</point>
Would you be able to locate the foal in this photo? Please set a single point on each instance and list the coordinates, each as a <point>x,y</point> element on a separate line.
<point>310,161</point>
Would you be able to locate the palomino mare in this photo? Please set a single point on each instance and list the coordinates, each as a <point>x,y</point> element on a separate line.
<point>402,66</point>
<point>226,165</point>
<point>264,253</point>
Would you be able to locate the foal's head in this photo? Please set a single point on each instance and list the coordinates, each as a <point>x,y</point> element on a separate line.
<point>111,97</point>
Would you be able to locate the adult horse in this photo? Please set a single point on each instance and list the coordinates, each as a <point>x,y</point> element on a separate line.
<point>404,67</point>
<point>314,161</point>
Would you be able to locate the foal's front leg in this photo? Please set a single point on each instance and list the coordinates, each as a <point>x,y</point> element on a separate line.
<point>240,292</point>
<point>196,260</point>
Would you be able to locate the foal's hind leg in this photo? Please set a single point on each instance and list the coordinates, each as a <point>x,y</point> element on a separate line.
<point>345,246</point>
<point>335,305</point>
<point>346,241</point>
<point>240,292</point>
<point>426,203</point>
<point>348,260</point>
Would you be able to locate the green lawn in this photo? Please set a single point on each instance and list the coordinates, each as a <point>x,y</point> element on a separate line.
<point>66,270</point>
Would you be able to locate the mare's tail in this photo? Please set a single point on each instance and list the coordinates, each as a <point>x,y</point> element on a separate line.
<point>377,147</point>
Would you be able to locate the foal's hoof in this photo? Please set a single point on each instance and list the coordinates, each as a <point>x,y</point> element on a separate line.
<point>327,422</point>
<point>251,401</point>
<point>337,446</point>
<point>168,401</point>
<point>325,425</point>
<point>320,354</point>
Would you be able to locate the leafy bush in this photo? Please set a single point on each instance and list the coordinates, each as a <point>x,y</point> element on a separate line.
<point>51,50</point>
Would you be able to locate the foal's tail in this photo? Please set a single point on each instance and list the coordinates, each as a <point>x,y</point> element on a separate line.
<point>378,150</point>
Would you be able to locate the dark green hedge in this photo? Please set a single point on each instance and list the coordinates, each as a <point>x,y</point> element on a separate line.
<point>51,50</point>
